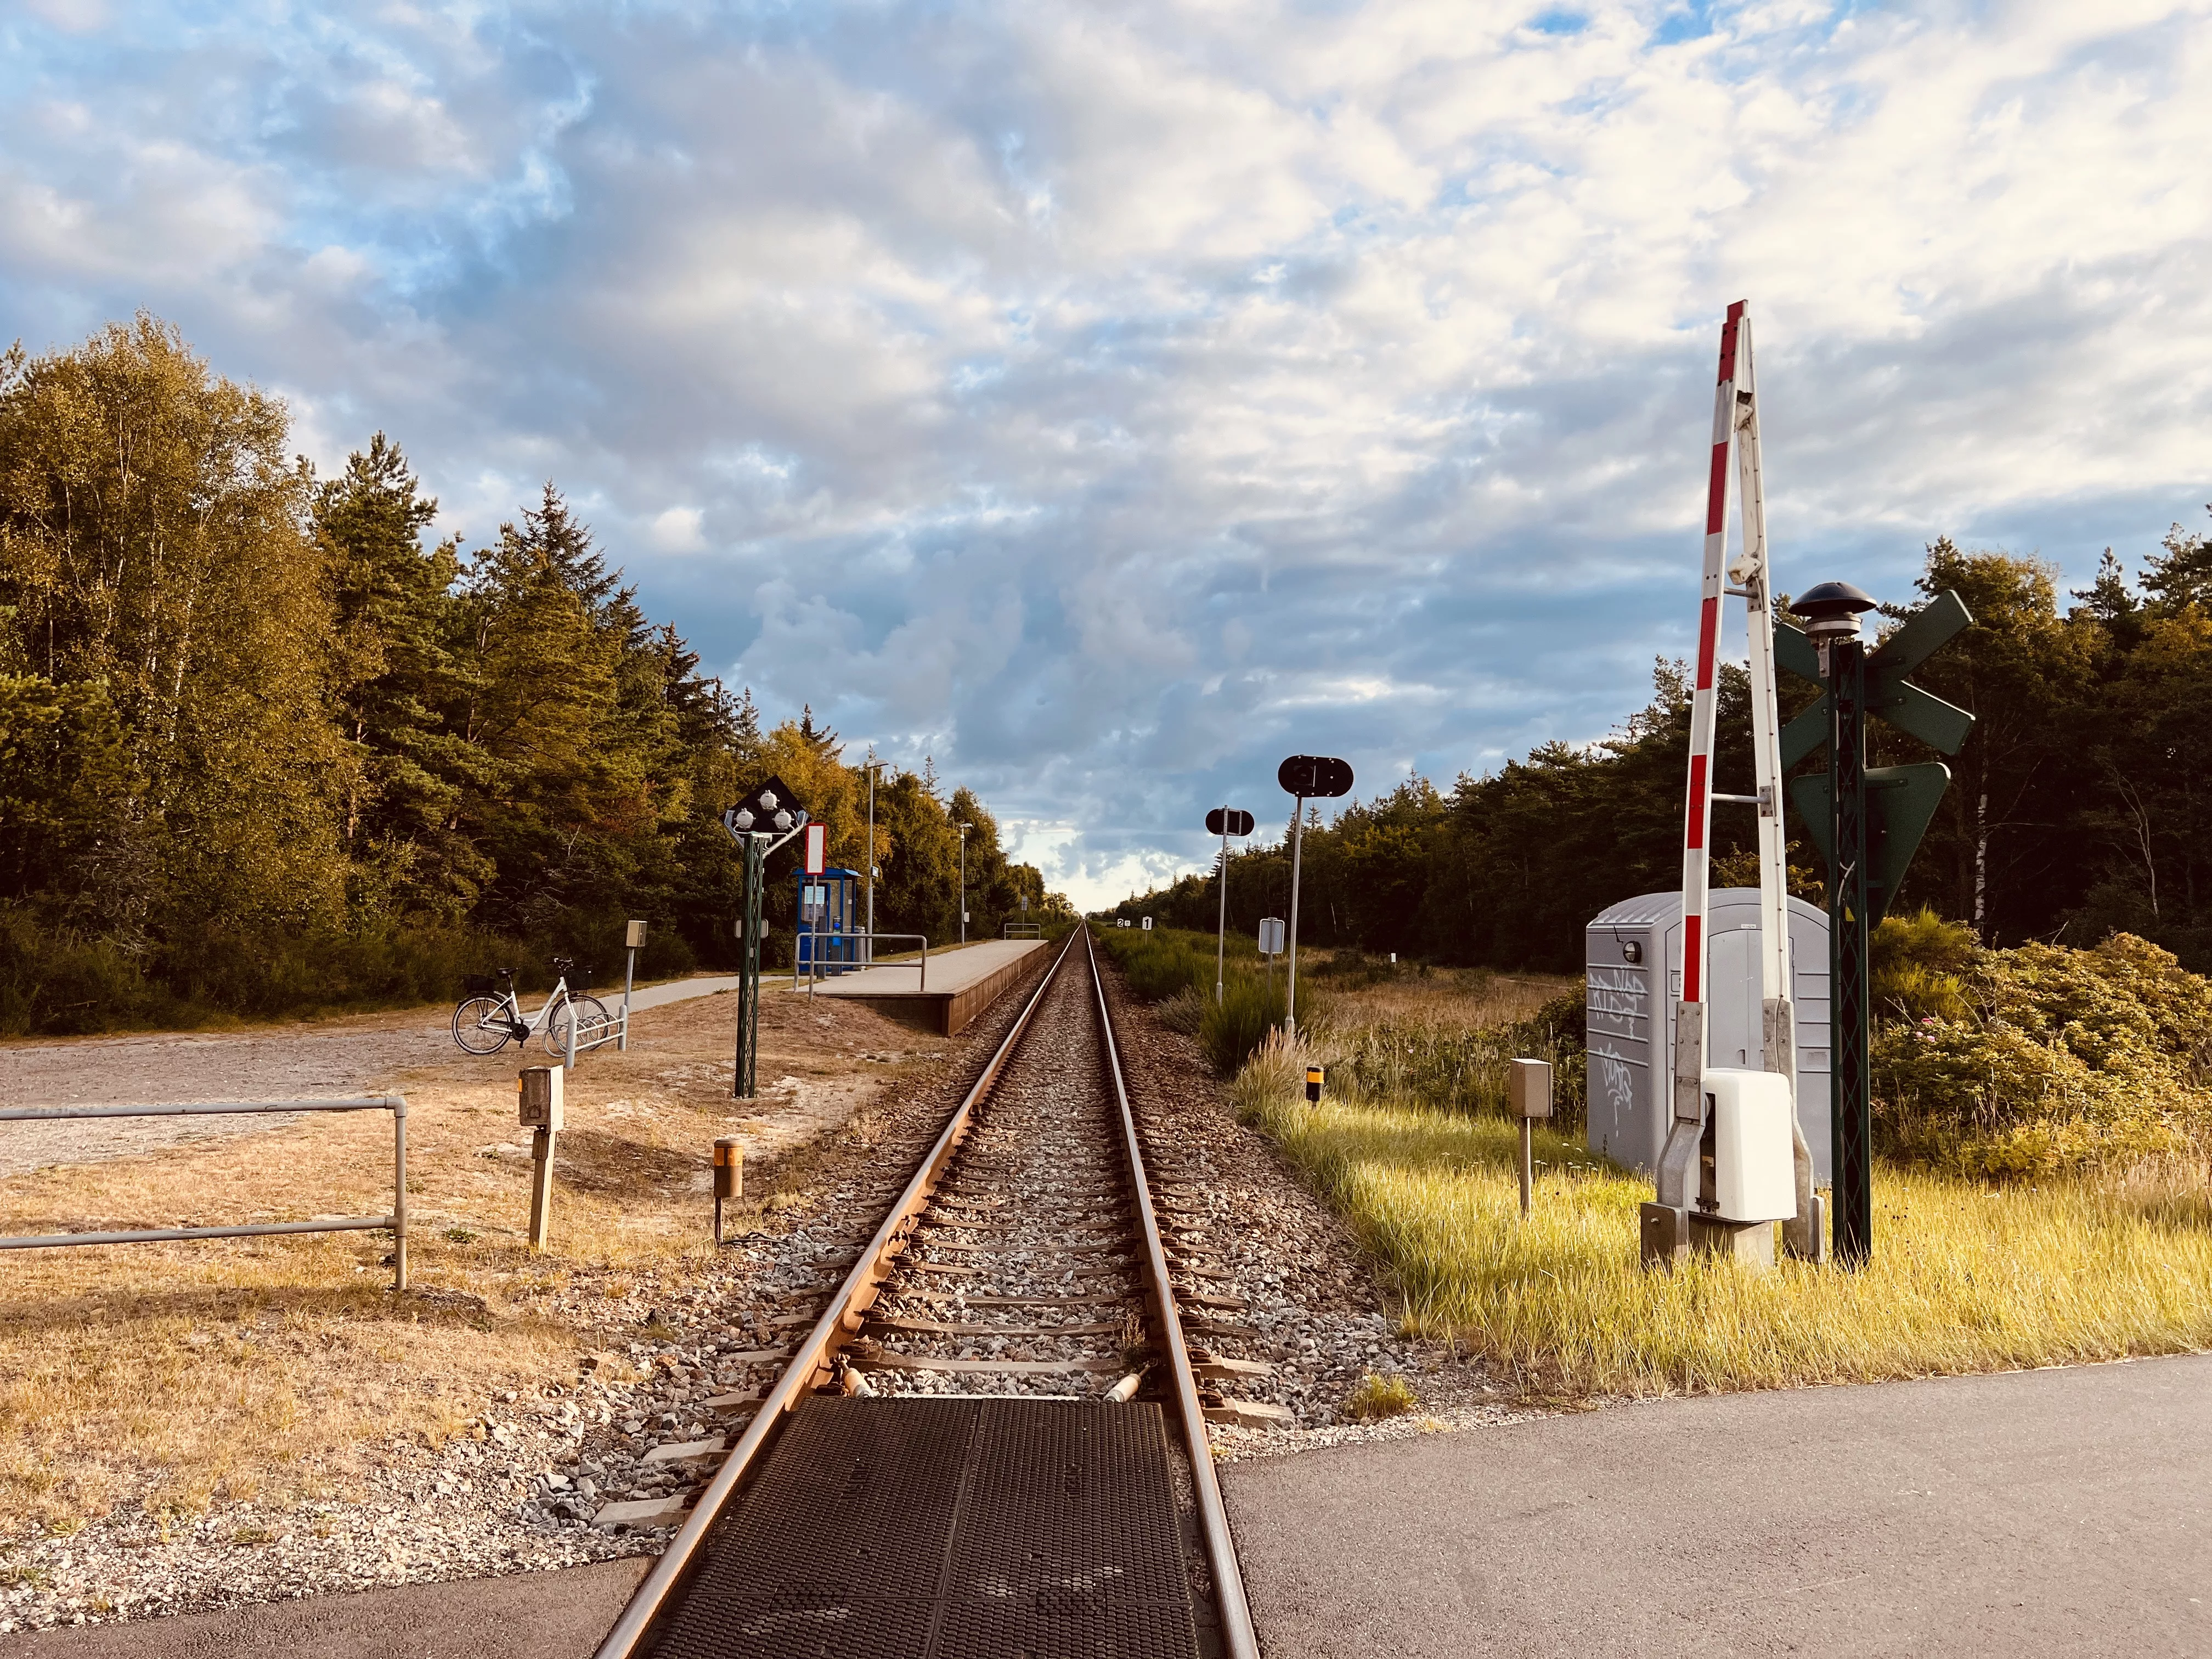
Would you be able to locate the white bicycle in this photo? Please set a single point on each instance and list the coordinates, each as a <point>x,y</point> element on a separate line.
<point>485,1023</point>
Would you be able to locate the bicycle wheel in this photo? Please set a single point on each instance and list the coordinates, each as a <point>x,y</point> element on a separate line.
<point>480,1026</point>
<point>589,1015</point>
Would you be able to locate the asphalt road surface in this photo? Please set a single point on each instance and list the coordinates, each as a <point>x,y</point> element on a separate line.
<point>2041,1512</point>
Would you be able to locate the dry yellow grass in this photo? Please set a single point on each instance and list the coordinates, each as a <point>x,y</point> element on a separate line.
<point>1965,1278</point>
<point>178,1374</point>
<point>1443,996</point>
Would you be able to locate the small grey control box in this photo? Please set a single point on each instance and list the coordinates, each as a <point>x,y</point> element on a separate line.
<point>539,1087</point>
<point>1529,1088</point>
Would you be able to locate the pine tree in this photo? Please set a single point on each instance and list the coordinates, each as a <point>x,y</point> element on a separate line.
<point>394,681</point>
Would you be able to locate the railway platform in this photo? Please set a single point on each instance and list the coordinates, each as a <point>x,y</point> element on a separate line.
<point>961,983</point>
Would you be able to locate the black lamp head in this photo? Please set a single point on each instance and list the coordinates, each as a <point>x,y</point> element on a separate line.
<point>1833,610</point>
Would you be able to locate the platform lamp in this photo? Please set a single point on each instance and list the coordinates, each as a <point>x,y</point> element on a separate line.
<point>964,829</point>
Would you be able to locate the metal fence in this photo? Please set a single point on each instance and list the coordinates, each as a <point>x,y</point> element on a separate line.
<point>395,1224</point>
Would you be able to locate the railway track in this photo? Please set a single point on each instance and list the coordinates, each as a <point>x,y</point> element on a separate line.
<point>979,1444</point>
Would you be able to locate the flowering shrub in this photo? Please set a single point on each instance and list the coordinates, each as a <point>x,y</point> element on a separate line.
<point>2047,1059</point>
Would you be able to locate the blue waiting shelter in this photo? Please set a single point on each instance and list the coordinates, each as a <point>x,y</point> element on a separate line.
<point>830,924</point>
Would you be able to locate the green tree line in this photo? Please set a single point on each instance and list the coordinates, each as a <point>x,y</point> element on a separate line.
<point>264,748</point>
<point>2081,806</point>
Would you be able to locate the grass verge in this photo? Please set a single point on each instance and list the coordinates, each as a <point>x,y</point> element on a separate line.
<point>1967,1277</point>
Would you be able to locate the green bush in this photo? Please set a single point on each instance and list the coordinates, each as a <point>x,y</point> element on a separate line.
<point>1175,967</point>
<point>2055,1060</point>
<point>1915,963</point>
<point>1251,1008</point>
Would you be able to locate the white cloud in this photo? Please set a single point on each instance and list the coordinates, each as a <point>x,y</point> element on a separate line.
<point>678,530</point>
<point>1107,402</point>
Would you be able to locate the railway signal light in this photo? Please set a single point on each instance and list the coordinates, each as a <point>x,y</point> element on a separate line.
<point>1224,822</point>
<point>1321,777</point>
<point>1315,777</point>
<point>1868,821</point>
<point>769,812</point>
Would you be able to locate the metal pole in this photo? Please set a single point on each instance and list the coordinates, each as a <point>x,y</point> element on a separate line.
<point>541,1187</point>
<point>963,884</point>
<point>629,973</point>
<point>1290,985</point>
<point>749,967</point>
<point>1221,933</point>
<point>399,1196</point>
<point>872,855</point>
<point>1850,1102</point>
<point>1527,1164</point>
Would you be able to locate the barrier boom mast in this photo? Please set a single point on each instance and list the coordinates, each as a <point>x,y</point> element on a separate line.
<point>1668,1225</point>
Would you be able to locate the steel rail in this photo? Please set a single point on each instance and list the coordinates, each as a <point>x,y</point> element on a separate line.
<point>1238,1640</point>
<point>811,1363</point>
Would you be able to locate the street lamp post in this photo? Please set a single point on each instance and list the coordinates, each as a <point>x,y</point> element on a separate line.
<point>874,767</point>
<point>964,829</point>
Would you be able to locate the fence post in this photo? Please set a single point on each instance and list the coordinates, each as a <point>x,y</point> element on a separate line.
<point>400,1193</point>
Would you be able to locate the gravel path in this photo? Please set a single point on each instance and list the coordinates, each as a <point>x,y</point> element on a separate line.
<point>298,1060</point>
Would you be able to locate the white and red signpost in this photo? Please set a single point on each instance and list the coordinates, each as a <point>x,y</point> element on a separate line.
<point>1689,1211</point>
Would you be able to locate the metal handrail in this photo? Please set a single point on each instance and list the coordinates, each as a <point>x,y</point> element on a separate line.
<point>814,965</point>
<point>810,1359</point>
<point>395,1224</point>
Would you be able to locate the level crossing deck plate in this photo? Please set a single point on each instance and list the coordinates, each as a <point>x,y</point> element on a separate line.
<point>919,1528</point>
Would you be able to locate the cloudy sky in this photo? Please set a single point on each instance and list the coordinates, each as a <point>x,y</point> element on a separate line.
<point>1109,399</point>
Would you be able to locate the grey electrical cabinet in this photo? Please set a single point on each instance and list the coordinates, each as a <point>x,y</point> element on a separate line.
<point>1635,979</point>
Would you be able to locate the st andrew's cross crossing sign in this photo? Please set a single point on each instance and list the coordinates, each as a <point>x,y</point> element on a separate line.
<point>1901,800</point>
